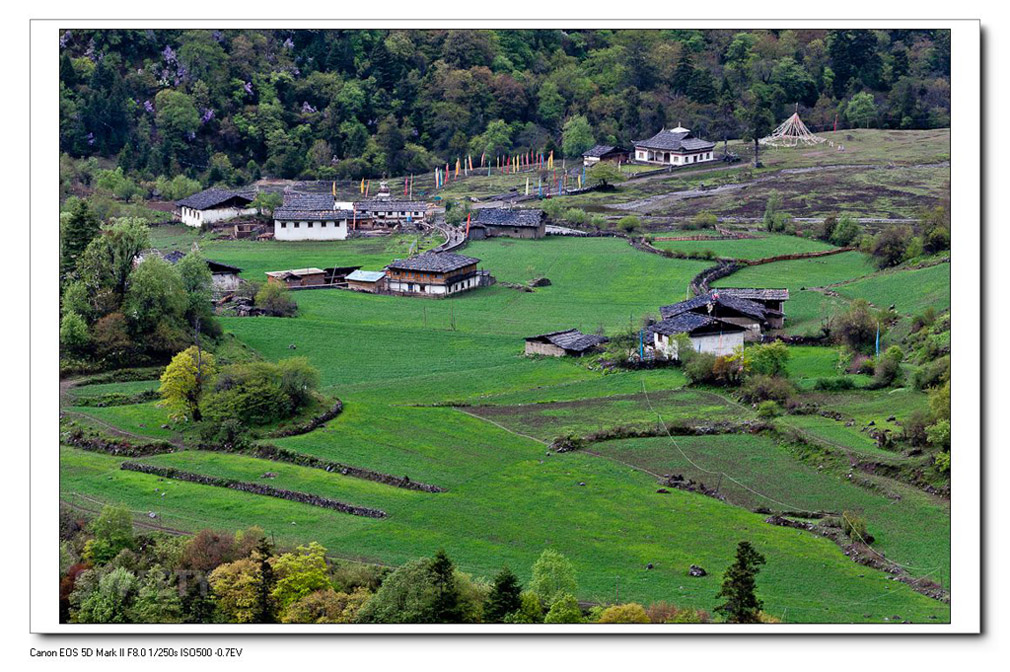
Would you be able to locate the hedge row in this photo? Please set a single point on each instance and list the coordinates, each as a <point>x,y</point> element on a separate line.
<point>278,454</point>
<point>310,425</point>
<point>254,488</point>
<point>96,443</point>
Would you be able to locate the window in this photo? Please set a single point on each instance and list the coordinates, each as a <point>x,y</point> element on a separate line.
<point>310,225</point>
<point>284,225</point>
<point>296,225</point>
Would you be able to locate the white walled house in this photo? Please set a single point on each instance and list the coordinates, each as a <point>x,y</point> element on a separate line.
<point>707,334</point>
<point>435,274</point>
<point>311,217</point>
<point>752,316</point>
<point>674,147</point>
<point>213,205</point>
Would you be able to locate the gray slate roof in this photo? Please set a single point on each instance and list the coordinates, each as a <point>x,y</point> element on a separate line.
<point>211,198</point>
<point>699,303</point>
<point>309,208</point>
<point>603,150</point>
<point>755,294</point>
<point>175,256</point>
<point>506,217</point>
<point>675,142</point>
<point>571,340</point>
<point>390,206</point>
<point>685,323</point>
<point>433,262</point>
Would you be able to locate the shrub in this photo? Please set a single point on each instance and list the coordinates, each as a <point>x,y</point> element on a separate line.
<point>624,613</point>
<point>257,393</point>
<point>854,526</point>
<point>275,299</point>
<point>629,223</point>
<point>941,463</point>
<point>835,384</point>
<point>890,245</point>
<point>769,359</point>
<point>932,374</point>
<point>913,429</point>
<point>760,388</point>
<point>575,216</point>
<point>74,336</point>
<point>938,434</point>
<point>855,327</point>
<point>565,610</point>
<point>703,220</point>
<point>769,409</point>
<point>698,368</point>
<point>845,232</point>
<point>888,368</point>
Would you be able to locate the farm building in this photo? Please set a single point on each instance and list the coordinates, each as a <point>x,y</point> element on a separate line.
<point>674,147</point>
<point>707,334</point>
<point>605,153</point>
<point>519,223</point>
<point>751,315</point>
<point>382,213</point>
<point>570,342</point>
<point>772,299</point>
<point>312,217</point>
<point>223,276</point>
<point>367,281</point>
<point>435,274</point>
<point>298,277</point>
<point>213,205</point>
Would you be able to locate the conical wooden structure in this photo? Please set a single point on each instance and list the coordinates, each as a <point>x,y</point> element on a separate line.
<point>791,133</point>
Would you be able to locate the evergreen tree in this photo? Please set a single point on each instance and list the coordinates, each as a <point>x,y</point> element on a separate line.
<point>741,605</point>
<point>505,596</point>
<point>266,608</point>
<point>80,227</point>
<point>447,607</point>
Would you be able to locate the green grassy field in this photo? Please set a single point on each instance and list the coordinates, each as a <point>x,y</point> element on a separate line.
<point>391,358</point>
<point>911,291</point>
<point>746,248</point>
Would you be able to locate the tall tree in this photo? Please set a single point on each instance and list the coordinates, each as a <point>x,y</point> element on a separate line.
<point>741,604</point>
<point>505,597</point>
<point>77,231</point>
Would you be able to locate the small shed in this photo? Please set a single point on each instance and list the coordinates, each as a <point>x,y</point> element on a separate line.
<point>298,277</point>
<point>605,153</point>
<point>366,281</point>
<point>570,342</point>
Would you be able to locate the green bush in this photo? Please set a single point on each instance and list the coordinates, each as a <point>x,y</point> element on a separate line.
<point>699,368</point>
<point>759,388</point>
<point>835,384</point>
<point>275,299</point>
<point>854,526</point>
<point>258,393</point>
<point>769,409</point>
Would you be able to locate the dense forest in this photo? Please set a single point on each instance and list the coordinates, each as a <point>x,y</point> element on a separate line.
<point>228,106</point>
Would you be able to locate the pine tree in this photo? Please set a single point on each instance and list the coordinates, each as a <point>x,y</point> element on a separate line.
<point>505,596</point>
<point>447,607</point>
<point>80,228</point>
<point>741,605</point>
<point>265,605</point>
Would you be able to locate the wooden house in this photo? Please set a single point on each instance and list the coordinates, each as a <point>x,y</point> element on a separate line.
<point>570,342</point>
<point>367,281</point>
<point>435,274</point>
<point>298,277</point>
<point>213,205</point>
<point>605,153</point>
<point>674,147</point>
<point>511,223</point>
<point>773,299</point>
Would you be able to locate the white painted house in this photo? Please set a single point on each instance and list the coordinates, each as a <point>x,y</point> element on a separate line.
<point>674,147</point>
<point>707,334</point>
<point>213,205</point>
<point>312,217</point>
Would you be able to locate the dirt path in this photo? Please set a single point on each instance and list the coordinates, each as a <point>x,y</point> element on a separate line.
<point>663,199</point>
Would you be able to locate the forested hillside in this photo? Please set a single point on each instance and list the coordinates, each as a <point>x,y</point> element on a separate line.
<point>230,106</point>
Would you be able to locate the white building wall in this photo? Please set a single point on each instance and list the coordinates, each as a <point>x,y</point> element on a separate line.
<point>197,218</point>
<point>716,344</point>
<point>225,281</point>
<point>301,230</point>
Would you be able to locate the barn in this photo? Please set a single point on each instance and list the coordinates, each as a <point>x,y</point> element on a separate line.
<point>570,342</point>
<point>605,153</point>
<point>511,223</point>
<point>366,281</point>
<point>213,205</point>
<point>707,334</point>
<point>298,277</point>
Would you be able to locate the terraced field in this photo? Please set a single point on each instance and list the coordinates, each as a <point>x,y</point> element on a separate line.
<point>439,391</point>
